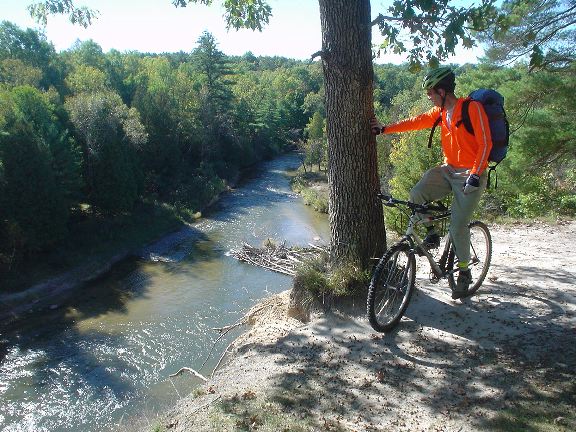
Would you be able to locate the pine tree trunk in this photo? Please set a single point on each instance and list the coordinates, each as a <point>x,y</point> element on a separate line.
<point>356,219</point>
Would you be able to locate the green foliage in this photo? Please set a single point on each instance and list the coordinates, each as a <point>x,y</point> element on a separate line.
<point>541,32</point>
<point>349,280</point>
<point>313,277</point>
<point>316,127</point>
<point>86,79</point>
<point>28,52</point>
<point>316,145</point>
<point>537,177</point>
<point>110,134</point>
<point>434,28</point>
<point>104,131</point>
<point>77,15</point>
<point>252,14</point>
<point>35,209</point>
<point>14,72</point>
<point>39,175</point>
<point>197,190</point>
<point>317,199</point>
<point>313,187</point>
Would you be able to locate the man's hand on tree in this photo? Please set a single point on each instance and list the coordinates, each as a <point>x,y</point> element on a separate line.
<point>376,127</point>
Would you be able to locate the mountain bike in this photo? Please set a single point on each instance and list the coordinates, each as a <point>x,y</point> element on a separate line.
<point>394,277</point>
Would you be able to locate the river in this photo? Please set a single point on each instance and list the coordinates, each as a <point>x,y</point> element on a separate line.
<point>102,361</point>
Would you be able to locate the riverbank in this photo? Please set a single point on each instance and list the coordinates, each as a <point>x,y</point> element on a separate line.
<point>104,357</point>
<point>95,246</point>
<point>503,360</point>
<point>52,278</point>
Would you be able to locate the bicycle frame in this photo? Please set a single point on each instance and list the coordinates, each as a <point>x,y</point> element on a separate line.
<point>393,280</point>
<point>416,243</point>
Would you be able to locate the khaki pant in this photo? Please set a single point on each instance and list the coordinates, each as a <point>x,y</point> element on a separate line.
<point>437,183</point>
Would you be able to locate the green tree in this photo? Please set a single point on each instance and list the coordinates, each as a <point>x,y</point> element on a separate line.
<point>34,206</point>
<point>77,15</point>
<point>541,31</point>
<point>85,79</point>
<point>166,109</point>
<point>110,134</point>
<point>315,147</point>
<point>215,99</point>
<point>34,108</point>
<point>212,66</point>
<point>14,72</point>
<point>39,171</point>
<point>435,28</point>
<point>30,48</point>
<point>123,74</point>
<point>252,14</point>
<point>543,146</point>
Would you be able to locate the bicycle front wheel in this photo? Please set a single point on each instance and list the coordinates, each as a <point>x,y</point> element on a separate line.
<point>391,287</point>
<point>480,256</point>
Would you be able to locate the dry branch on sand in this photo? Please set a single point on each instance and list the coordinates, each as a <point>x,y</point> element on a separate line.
<point>269,309</point>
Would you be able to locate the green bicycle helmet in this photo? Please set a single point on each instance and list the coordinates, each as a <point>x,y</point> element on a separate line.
<point>441,77</point>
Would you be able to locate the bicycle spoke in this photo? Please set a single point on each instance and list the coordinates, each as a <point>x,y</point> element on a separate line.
<point>391,287</point>
<point>480,256</point>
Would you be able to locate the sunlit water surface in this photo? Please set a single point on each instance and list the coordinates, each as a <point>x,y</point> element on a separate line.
<point>102,361</point>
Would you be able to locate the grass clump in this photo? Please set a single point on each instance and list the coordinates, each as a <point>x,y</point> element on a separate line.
<point>319,278</point>
<point>313,277</point>
<point>251,412</point>
<point>313,187</point>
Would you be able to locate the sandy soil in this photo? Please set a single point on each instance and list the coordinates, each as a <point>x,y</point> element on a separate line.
<point>502,360</point>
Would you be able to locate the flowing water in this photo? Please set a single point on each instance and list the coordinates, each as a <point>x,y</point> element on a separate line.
<point>103,360</point>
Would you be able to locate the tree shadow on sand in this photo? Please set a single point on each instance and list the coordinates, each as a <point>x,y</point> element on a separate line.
<point>503,360</point>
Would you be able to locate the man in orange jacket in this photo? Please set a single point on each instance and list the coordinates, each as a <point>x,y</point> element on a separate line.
<point>465,161</point>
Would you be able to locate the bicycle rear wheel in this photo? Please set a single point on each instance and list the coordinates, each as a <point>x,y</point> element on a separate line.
<point>391,287</point>
<point>480,257</point>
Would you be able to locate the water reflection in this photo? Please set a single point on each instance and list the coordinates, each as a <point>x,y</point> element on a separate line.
<point>106,355</point>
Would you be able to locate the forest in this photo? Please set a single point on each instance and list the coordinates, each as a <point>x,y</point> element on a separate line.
<point>88,136</point>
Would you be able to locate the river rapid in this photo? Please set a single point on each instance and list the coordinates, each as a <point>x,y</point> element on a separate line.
<point>102,361</point>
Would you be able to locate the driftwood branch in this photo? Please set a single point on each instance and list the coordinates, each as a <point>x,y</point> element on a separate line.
<point>192,371</point>
<point>278,258</point>
<point>221,358</point>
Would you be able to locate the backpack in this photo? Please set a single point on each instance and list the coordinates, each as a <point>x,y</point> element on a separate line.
<point>493,103</point>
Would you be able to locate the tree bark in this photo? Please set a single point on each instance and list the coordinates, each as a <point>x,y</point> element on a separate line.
<point>355,212</point>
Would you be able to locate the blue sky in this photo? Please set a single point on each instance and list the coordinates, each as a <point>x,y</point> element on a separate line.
<point>158,26</point>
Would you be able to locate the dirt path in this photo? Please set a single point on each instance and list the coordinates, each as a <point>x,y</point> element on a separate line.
<point>503,360</point>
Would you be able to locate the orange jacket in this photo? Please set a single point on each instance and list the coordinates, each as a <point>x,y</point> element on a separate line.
<point>461,149</point>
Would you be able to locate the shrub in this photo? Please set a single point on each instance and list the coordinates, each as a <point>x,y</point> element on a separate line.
<point>344,280</point>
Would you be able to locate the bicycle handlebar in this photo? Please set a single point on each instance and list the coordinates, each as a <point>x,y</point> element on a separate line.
<point>390,201</point>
